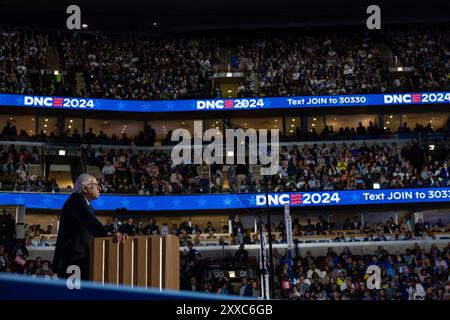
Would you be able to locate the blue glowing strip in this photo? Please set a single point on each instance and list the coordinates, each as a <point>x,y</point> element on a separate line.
<point>234,201</point>
<point>356,100</point>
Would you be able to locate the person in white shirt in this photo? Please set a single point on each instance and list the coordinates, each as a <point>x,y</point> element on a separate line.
<point>313,269</point>
<point>416,291</point>
<point>108,169</point>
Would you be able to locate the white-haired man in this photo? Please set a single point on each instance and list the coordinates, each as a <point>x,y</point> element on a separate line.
<point>77,226</point>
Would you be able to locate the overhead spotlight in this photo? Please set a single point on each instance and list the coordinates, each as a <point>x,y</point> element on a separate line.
<point>46,120</point>
<point>61,152</point>
<point>71,121</point>
<point>229,91</point>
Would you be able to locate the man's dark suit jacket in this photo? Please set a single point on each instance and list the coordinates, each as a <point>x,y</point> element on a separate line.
<point>77,226</point>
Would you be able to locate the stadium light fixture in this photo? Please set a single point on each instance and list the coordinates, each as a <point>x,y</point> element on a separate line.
<point>431,147</point>
<point>376,185</point>
<point>56,72</point>
<point>62,152</point>
<point>84,26</point>
<point>229,74</point>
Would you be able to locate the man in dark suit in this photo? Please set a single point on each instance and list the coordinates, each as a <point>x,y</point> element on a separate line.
<point>237,229</point>
<point>77,226</point>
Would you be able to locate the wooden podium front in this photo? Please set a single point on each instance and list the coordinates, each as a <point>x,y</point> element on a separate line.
<point>144,261</point>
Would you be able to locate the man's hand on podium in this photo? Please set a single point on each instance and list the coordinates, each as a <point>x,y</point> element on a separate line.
<point>119,237</point>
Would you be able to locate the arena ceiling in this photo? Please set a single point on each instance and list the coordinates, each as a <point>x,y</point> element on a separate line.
<point>180,15</point>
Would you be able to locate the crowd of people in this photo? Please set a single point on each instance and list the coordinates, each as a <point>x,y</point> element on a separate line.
<point>127,171</point>
<point>326,166</point>
<point>21,53</point>
<point>296,63</point>
<point>416,274</point>
<point>313,64</point>
<point>119,67</point>
<point>352,230</point>
<point>14,168</point>
<point>148,137</point>
<point>427,50</point>
<point>309,168</point>
<point>332,167</point>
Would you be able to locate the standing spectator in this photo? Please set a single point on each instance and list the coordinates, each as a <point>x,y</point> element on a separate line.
<point>246,289</point>
<point>151,228</point>
<point>4,259</point>
<point>237,229</point>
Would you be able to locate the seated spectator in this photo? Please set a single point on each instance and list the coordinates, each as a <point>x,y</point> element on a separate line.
<point>241,254</point>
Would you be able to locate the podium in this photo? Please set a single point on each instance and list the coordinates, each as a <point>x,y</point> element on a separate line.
<point>144,261</point>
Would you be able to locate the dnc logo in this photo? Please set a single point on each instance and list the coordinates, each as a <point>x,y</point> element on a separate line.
<point>279,199</point>
<point>403,98</point>
<point>43,101</point>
